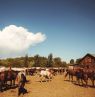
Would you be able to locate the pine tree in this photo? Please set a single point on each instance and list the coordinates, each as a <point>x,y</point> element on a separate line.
<point>26,61</point>
<point>50,61</point>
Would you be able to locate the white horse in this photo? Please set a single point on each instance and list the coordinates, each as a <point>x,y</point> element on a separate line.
<point>45,75</point>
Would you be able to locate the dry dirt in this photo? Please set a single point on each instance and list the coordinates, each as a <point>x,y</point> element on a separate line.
<point>56,88</point>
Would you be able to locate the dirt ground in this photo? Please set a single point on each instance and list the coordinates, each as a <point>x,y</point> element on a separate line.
<point>56,88</point>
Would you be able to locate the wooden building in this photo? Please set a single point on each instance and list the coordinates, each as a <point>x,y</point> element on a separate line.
<point>88,61</point>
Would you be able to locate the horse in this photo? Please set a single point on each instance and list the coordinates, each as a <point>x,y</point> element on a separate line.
<point>79,74</point>
<point>71,73</point>
<point>93,77</point>
<point>2,78</point>
<point>83,74</point>
<point>90,74</point>
<point>46,74</point>
<point>7,76</point>
<point>32,71</point>
<point>10,76</point>
<point>81,77</point>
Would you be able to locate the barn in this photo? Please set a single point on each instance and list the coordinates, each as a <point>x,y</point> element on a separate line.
<point>88,61</point>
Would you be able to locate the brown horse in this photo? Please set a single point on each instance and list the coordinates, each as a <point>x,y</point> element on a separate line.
<point>79,74</point>
<point>32,71</point>
<point>90,74</point>
<point>71,73</point>
<point>81,77</point>
<point>93,78</point>
<point>84,74</point>
<point>7,76</point>
<point>10,76</point>
<point>2,80</point>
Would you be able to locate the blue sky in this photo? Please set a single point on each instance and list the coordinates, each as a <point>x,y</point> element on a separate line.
<point>69,25</point>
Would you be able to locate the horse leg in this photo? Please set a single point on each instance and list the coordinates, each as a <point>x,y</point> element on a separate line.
<point>92,82</point>
<point>46,78</point>
<point>13,82</point>
<point>86,82</point>
<point>5,82</point>
<point>66,76</point>
<point>10,83</point>
<point>72,77</point>
<point>49,78</point>
<point>82,81</point>
<point>41,78</point>
<point>69,77</point>
<point>1,86</point>
<point>78,81</point>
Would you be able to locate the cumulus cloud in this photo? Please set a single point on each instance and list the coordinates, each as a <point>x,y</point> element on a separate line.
<point>18,39</point>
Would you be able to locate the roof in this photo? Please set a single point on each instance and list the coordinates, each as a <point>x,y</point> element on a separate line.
<point>88,54</point>
<point>92,55</point>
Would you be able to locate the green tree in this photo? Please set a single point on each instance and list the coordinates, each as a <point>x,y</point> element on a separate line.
<point>64,64</point>
<point>36,61</point>
<point>72,62</point>
<point>31,63</point>
<point>26,61</point>
<point>77,61</point>
<point>43,61</point>
<point>50,61</point>
<point>57,62</point>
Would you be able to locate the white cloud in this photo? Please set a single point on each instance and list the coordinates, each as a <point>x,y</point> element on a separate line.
<point>18,39</point>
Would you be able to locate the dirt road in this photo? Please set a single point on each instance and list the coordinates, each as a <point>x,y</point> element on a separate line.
<point>56,88</point>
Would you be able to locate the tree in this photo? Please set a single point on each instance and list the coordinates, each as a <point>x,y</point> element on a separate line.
<point>64,64</point>
<point>26,61</point>
<point>72,61</point>
<point>77,61</point>
<point>43,61</point>
<point>36,61</point>
<point>31,64</point>
<point>57,62</point>
<point>50,61</point>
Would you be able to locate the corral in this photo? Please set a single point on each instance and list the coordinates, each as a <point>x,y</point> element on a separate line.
<point>55,88</point>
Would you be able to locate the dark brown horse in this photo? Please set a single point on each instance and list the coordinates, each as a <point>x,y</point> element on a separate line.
<point>71,73</point>
<point>79,75</point>
<point>10,76</point>
<point>7,76</point>
<point>2,80</point>
<point>90,74</point>
<point>93,78</point>
<point>83,74</point>
<point>32,71</point>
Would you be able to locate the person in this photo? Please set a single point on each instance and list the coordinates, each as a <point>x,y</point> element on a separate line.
<point>21,89</point>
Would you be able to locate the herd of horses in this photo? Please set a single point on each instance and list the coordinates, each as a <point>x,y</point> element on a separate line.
<point>46,74</point>
<point>9,77</point>
<point>82,75</point>
<point>78,75</point>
